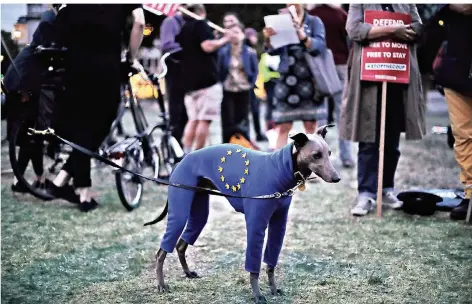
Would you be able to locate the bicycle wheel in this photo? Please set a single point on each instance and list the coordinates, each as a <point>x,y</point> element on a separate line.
<point>29,160</point>
<point>130,186</point>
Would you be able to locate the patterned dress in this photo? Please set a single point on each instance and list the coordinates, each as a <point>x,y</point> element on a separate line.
<point>295,97</point>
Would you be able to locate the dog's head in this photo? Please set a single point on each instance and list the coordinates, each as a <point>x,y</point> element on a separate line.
<point>313,154</point>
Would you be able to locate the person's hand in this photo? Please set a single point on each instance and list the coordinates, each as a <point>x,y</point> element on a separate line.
<point>404,32</point>
<point>465,9</point>
<point>268,32</point>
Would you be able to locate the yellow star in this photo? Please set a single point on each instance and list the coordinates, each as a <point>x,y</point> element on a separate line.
<point>246,171</point>
<point>242,180</point>
<point>223,159</point>
<point>244,155</point>
<point>229,152</point>
<point>222,178</point>
<point>220,169</point>
<point>239,186</point>
<point>233,188</point>
<point>238,150</point>
<point>227,186</point>
<point>247,162</point>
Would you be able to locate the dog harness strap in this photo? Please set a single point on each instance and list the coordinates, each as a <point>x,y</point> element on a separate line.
<point>105,160</point>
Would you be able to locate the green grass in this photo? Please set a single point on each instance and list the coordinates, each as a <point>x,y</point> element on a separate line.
<point>52,253</point>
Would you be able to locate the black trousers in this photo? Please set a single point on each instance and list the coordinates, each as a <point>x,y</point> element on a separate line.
<point>89,107</point>
<point>234,114</point>
<point>176,94</point>
<point>255,110</point>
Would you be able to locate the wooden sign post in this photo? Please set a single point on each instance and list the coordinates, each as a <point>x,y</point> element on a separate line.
<point>385,61</point>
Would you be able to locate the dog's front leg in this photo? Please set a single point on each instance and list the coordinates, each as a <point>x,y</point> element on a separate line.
<point>256,290</point>
<point>161,285</point>
<point>272,285</point>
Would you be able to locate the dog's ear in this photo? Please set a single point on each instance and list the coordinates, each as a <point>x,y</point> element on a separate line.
<point>321,131</point>
<point>300,139</point>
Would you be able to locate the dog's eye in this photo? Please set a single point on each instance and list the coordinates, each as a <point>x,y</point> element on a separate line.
<point>317,155</point>
<point>329,153</point>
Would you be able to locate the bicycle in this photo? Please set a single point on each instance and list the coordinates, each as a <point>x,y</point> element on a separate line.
<point>164,153</point>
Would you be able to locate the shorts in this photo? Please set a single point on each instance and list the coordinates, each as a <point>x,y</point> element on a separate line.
<point>204,104</point>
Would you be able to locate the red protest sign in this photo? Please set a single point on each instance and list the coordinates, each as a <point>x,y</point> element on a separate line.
<point>386,60</point>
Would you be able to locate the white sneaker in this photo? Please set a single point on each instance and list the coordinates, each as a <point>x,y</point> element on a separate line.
<point>364,205</point>
<point>391,200</point>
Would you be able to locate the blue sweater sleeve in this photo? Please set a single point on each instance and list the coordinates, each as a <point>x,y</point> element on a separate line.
<point>318,36</point>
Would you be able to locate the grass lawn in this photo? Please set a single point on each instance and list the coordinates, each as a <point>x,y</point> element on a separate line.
<point>52,253</point>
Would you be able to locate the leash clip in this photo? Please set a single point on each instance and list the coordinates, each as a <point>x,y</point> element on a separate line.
<point>277,195</point>
<point>48,131</point>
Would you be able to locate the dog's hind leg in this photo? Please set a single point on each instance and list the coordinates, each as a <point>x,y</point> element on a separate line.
<point>161,285</point>
<point>197,221</point>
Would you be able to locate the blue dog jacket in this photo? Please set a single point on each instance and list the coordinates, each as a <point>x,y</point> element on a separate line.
<point>238,171</point>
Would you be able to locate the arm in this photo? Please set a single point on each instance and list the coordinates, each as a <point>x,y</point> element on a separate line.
<point>359,31</point>
<point>316,43</point>
<point>169,29</point>
<point>416,24</point>
<point>206,38</point>
<point>210,46</point>
<point>136,36</point>
<point>254,65</point>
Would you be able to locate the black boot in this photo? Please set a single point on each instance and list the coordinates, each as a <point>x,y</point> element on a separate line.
<point>460,212</point>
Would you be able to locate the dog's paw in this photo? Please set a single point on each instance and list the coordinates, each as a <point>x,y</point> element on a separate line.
<point>260,300</point>
<point>163,288</point>
<point>277,292</point>
<point>192,275</point>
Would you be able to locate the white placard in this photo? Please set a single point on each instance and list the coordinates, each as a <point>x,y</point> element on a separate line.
<point>284,29</point>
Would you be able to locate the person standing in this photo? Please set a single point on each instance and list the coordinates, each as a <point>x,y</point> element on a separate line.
<point>203,91</point>
<point>294,95</point>
<point>252,41</point>
<point>360,112</point>
<point>268,66</point>
<point>170,28</point>
<point>92,35</point>
<point>454,74</point>
<point>334,19</point>
<point>237,66</point>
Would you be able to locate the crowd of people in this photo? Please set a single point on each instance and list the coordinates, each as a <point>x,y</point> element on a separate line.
<point>225,68</point>
<point>212,74</point>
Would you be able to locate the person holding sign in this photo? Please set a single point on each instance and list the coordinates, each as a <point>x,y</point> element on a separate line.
<point>294,93</point>
<point>361,108</point>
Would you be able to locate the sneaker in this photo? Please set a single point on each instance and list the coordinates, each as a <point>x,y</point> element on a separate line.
<point>18,188</point>
<point>391,200</point>
<point>460,212</point>
<point>364,205</point>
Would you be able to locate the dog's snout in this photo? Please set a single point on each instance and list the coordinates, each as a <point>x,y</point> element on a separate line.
<point>336,179</point>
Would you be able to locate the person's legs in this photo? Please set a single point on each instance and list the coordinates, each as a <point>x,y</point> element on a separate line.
<point>191,126</point>
<point>269,88</point>
<point>310,126</point>
<point>177,113</point>
<point>228,109</point>
<point>241,113</point>
<point>255,110</point>
<point>283,130</point>
<point>344,145</point>
<point>460,113</point>
<point>201,134</point>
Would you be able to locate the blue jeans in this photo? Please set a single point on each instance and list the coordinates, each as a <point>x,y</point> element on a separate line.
<point>368,154</point>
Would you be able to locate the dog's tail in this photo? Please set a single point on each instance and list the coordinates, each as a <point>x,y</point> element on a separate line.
<point>160,217</point>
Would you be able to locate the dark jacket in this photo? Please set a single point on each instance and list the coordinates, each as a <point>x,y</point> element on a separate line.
<point>455,68</point>
<point>249,58</point>
<point>315,29</point>
<point>28,74</point>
